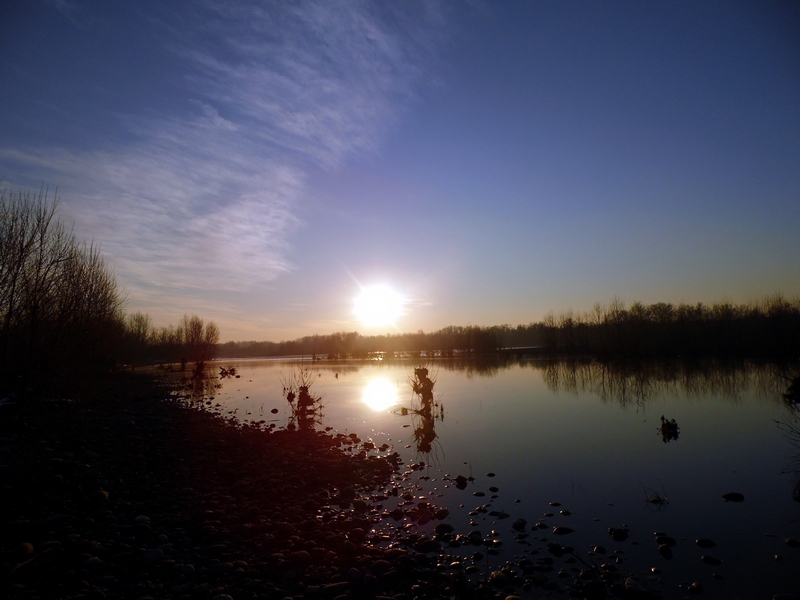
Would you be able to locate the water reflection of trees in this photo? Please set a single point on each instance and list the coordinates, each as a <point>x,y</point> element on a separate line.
<point>201,384</point>
<point>634,383</point>
<point>790,426</point>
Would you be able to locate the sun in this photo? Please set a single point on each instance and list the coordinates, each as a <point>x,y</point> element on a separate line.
<point>378,305</point>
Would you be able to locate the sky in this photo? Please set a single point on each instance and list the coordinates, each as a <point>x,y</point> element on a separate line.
<point>260,163</point>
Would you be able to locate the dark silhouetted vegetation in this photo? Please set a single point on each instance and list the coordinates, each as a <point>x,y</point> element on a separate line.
<point>61,316</point>
<point>446,342</point>
<point>191,340</point>
<point>306,407</point>
<point>62,323</point>
<point>766,329</point>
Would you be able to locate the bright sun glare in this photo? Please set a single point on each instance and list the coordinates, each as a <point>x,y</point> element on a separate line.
<point>379,394</point>
<point>378,305</point>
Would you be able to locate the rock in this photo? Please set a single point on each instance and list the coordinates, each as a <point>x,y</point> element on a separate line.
<point>379,567</point>
<point>732,497</point>
<point>301,556</point>
<point>94,561</point>
<point>619,534</point>
<point>558,550</point>
<point>696,588</point>
<point>334,589</point>
<point>560,530</point>
<point>665,551</point>
<point>634,586</point>
<point>665,539</point>
<point>705,543</point>
<point>792,543</point>
<point>284,528</point>
<point>444,528</point>
<point>498,579</point>
<point>519,525</point>
<point>347,549</point>
<point>151,555</point>
<point>426,546</point>
<point>711,560</point>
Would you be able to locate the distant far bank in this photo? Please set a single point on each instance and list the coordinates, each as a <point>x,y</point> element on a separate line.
<point>769,329</point>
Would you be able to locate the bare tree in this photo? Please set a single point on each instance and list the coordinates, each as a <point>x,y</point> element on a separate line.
<point>60,307</point>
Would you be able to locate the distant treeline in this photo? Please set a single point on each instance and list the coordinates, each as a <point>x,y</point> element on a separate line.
<point>62,322</point>
<point>767,329</point>
<point>444,342</point>
<point>190,340</point>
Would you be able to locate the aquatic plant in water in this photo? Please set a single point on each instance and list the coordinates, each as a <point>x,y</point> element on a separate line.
<point>669,430</point>
<point>306,407</point>
<point>424,409</point>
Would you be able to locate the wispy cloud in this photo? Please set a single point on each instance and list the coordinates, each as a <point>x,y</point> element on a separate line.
<point>210,199</point>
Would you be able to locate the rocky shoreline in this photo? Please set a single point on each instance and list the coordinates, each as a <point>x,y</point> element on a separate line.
<point>137,496</point>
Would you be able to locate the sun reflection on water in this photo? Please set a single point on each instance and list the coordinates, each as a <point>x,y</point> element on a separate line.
<point>379,394</point>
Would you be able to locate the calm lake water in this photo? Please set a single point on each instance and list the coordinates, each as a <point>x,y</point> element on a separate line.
<point>586,436</point>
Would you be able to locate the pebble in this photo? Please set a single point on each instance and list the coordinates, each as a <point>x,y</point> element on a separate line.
<point>619,534</point>
<point>519,525</point>
<point>442,528</point>
<point>379,567</point>
<point>562,530</point>
<point>705,543</point>
<point>150,555</point>
<point>665,539</point>
<point>733,497</point>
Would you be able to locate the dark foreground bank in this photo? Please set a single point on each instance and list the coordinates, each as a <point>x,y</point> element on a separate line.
<point>134,496</point>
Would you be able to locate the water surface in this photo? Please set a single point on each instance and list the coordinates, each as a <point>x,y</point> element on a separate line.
<point>586,436</point>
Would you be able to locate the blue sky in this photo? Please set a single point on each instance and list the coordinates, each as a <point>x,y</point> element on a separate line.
<point>257,163</point>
